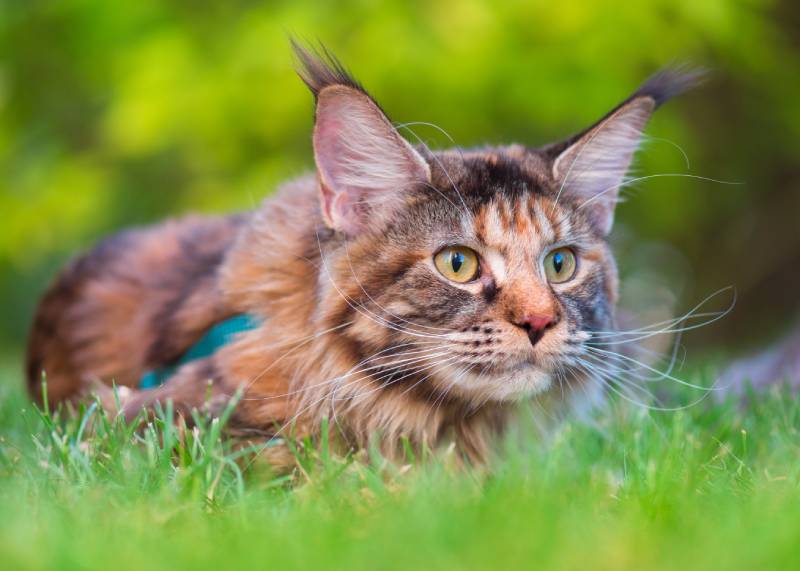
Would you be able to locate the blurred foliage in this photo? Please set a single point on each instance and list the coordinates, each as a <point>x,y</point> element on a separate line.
<point>122,113</point>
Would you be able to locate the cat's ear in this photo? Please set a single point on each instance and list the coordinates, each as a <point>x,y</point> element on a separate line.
<point>591,166</point>
<point>364,166</point>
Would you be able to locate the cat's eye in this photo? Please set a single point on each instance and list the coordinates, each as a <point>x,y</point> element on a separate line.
<point>457,263</point>
<point>560,265</point>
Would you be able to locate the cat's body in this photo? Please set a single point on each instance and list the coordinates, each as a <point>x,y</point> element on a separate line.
<point>141,298</point>
<point>360,322</point>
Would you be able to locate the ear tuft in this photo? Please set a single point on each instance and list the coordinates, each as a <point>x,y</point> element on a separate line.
<point>670,82</point>
<point>591,166</point>
<point>364,167</point>
<point>319,68</point>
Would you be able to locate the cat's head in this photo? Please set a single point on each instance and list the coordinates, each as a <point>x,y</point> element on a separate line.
<point>476,273</point>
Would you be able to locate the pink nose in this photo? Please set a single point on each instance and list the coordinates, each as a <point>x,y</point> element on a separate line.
<point>536,325</point>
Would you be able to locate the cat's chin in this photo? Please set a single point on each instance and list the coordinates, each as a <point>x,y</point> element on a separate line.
<point>501,385</point>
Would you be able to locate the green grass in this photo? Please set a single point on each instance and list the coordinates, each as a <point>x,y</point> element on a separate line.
<point>714,486</point>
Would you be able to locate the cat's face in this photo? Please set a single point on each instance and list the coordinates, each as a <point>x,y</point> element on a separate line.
<point>469,274</point>
<point>483,285</point>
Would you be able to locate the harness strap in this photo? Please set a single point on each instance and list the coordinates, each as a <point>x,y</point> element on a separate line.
<point>214,339</point>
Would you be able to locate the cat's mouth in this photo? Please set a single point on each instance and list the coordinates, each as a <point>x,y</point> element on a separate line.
<point>542,361</point>
<point>513,378</point>
<point>499,382</point>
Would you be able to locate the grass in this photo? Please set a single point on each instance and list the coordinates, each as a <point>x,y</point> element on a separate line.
<point>713,486</point>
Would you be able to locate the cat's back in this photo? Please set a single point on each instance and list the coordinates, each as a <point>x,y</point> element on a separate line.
<point>135,301</point>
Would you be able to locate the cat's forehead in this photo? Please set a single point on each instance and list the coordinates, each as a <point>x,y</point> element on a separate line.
<point>500,195</point>
<point>525,220</point>
<point>480,175</point>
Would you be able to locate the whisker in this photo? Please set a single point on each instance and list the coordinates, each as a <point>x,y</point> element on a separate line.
<point>407,127</point>
<point>660,175</point>
<point>306,408</point>
<point>440,366</point>
<point>574,161</point>
<point>452,384</point>
<point>614,355</point>
<point>649,138</point>
<point>658,328</point>
<point>407,373</point>
<point>303,341</point>
<point>307,387</point>
<point>608,381</point>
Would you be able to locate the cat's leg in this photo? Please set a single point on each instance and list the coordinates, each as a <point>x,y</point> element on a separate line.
<point>237,371</point>
<point>195,385</point>
<point>199,385</point>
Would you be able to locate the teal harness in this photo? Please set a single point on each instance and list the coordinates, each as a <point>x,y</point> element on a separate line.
<point>215,338</point>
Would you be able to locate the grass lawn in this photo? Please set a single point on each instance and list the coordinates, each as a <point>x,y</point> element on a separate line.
<point>710,487</point>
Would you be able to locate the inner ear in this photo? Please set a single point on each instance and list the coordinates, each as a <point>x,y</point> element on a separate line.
<point>365,167</point>
<point>592,168</point>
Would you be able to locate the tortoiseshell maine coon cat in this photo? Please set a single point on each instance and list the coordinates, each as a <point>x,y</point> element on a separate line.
<point>398,291</point>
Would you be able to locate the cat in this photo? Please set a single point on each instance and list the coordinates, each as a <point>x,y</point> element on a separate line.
<point>398,291</point>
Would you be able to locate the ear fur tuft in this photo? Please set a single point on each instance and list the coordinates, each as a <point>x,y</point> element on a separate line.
<point>591,166</point>
<point>319,68</point>
<point>364,167</point>
<point>670,82</point>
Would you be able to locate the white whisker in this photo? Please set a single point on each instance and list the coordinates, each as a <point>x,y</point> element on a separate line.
<point>613,355</point>
<point>660,175</point>
<point>407,127</point>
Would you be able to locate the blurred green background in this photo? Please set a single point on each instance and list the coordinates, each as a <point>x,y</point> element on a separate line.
<point>114,114</point>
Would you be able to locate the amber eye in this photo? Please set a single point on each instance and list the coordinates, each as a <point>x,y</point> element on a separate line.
<point>559,265</point>
<point>457,263</point>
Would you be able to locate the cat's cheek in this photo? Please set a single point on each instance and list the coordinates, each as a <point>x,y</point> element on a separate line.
<point>369,332</point>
